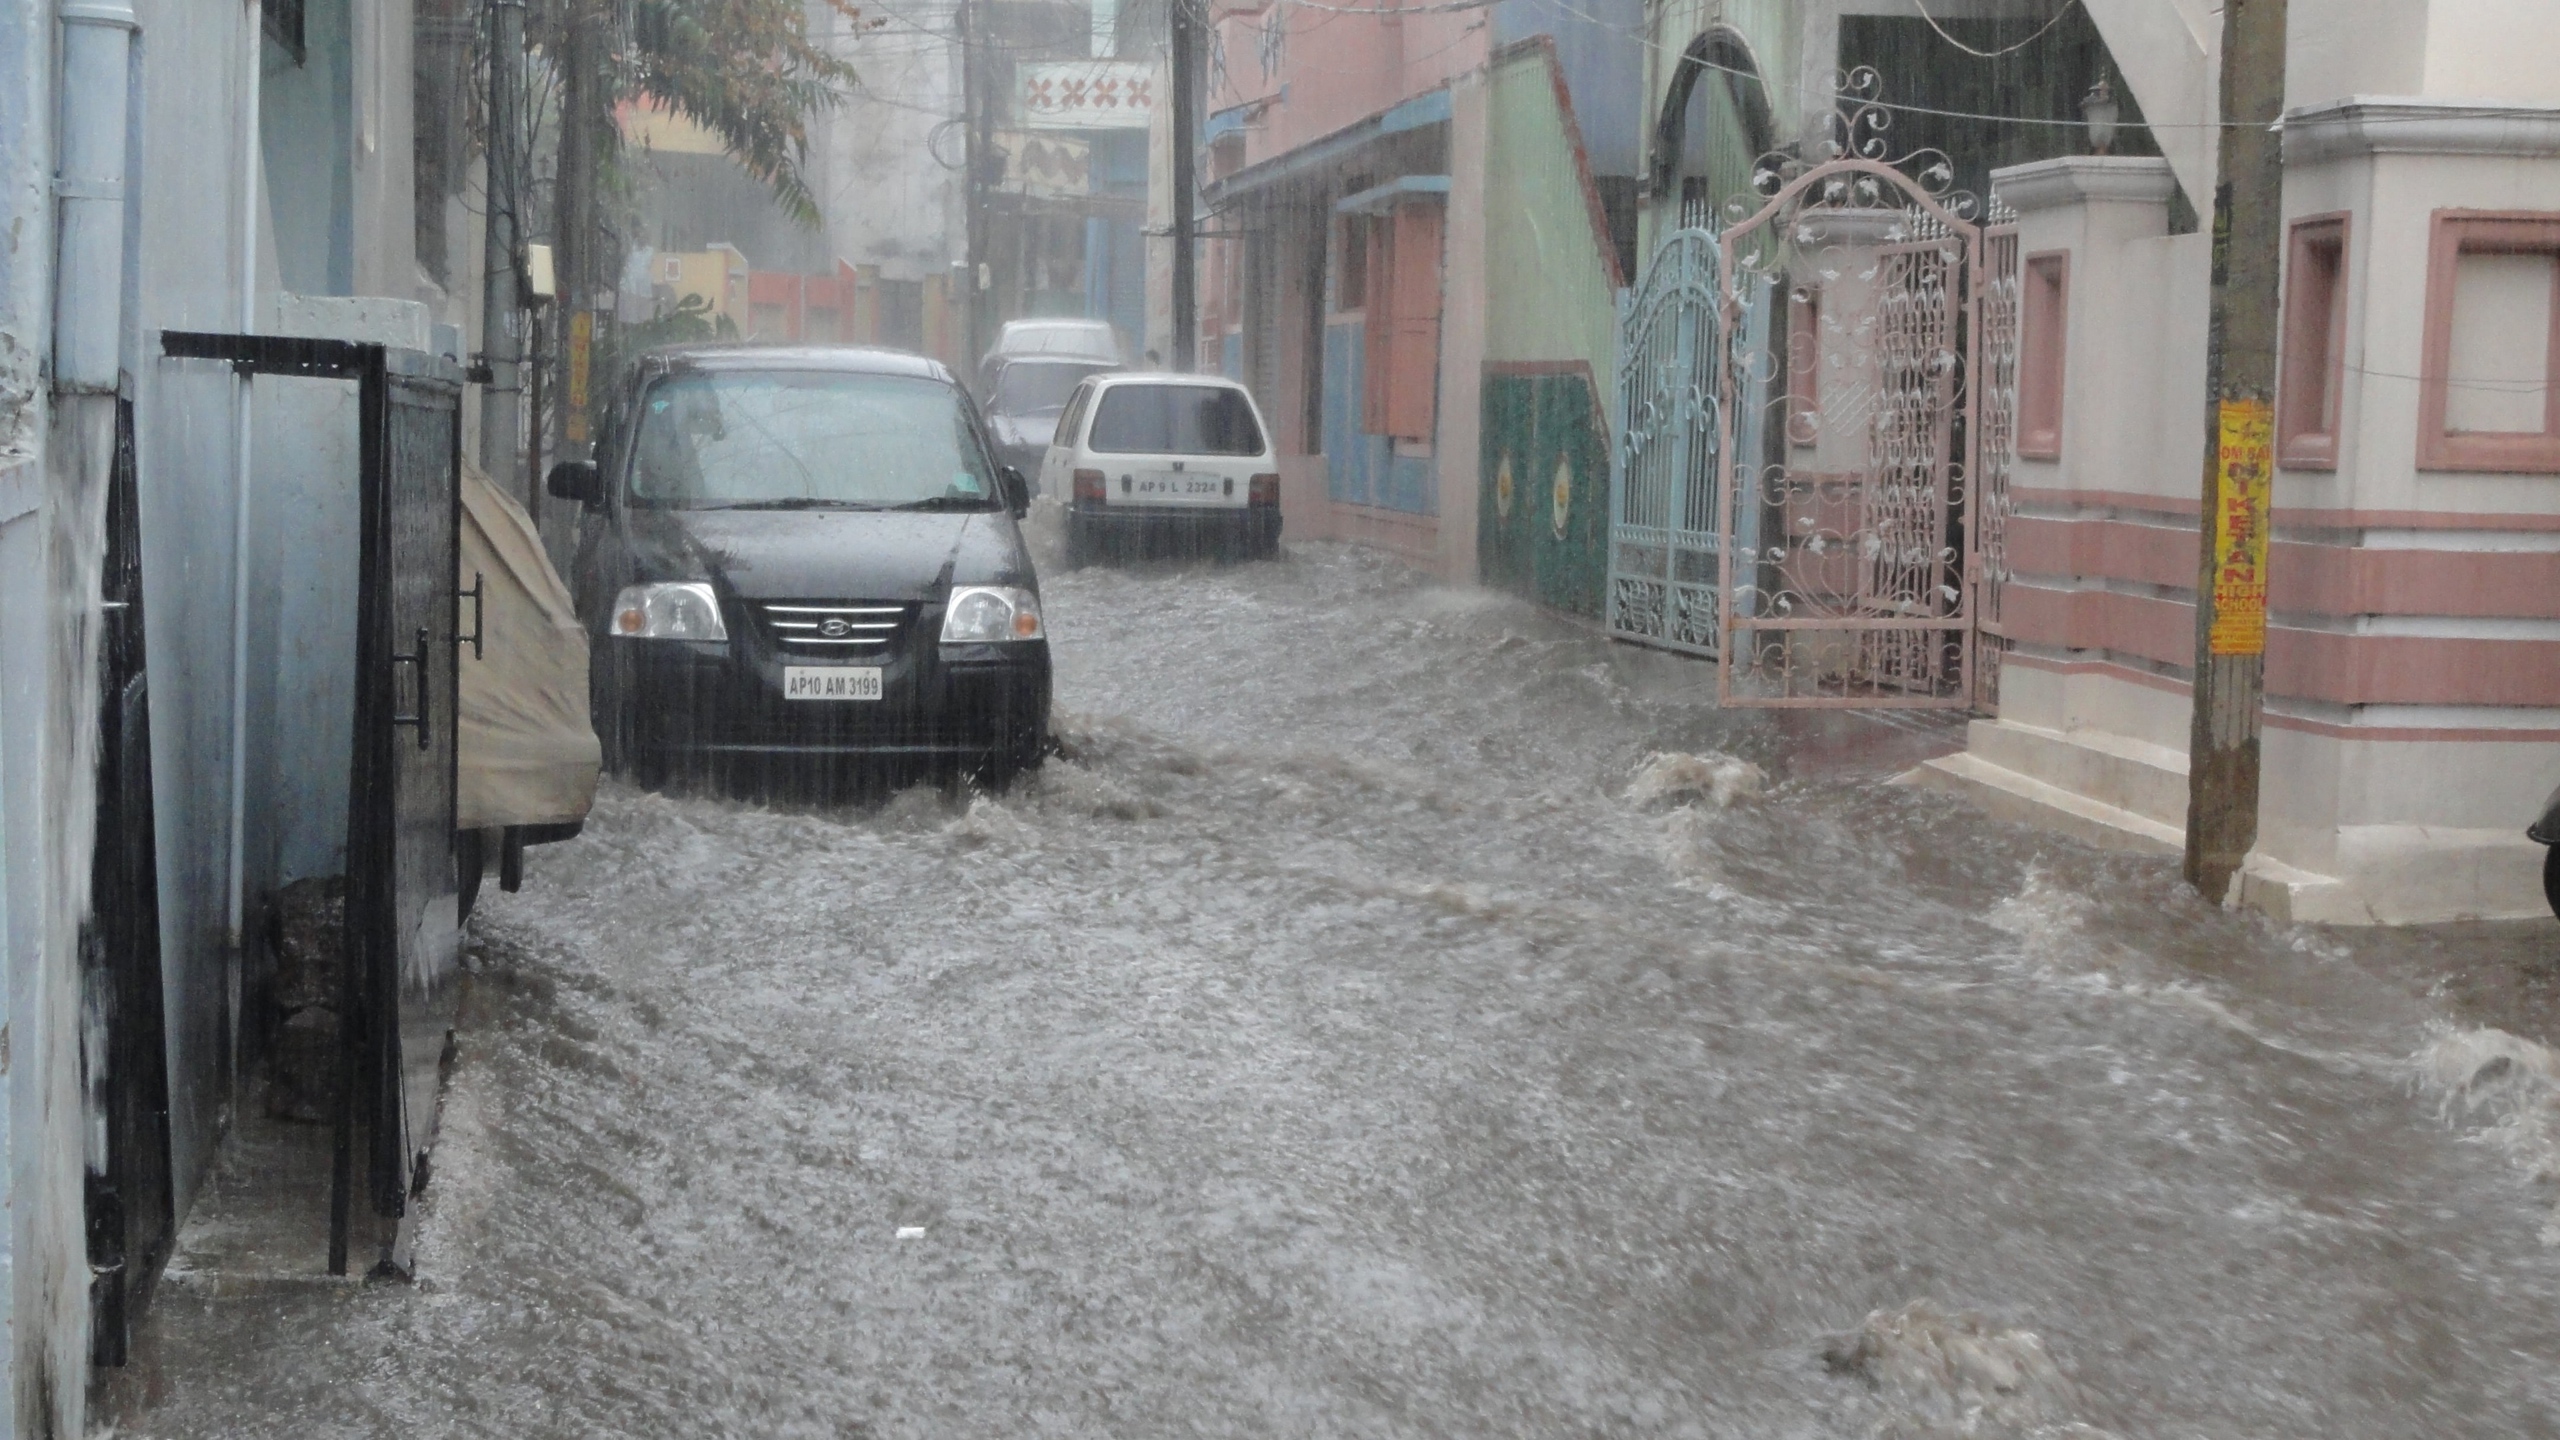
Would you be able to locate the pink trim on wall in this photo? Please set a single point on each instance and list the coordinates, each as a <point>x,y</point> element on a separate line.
<point>2411,670</point>
<point>2154,629</point>
<point>2114,549</point>
<point>2301,664</point>
<point>2304,578</point>
<point>2046,304</point>
<point>2491,231</point>
<point>2350,580</point>
<point>2305,519</point>
<point>2312,378</point>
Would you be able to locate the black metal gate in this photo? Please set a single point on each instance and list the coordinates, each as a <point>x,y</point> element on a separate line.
<point>402,930</point>
<point>402,925</point>
<point>123,1051</point>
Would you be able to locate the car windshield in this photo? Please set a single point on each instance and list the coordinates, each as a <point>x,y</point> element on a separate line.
<point>776,439</point>
<point>1037,388</point>
<point>1175,420</point>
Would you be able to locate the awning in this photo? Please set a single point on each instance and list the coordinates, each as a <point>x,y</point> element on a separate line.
<point>1413,114</point>
<point>1379,198</point>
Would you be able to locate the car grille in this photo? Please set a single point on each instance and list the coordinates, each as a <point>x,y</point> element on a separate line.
<point>836,629</point>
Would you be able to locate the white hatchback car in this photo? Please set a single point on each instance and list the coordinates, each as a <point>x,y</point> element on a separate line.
<point>1183,459</point>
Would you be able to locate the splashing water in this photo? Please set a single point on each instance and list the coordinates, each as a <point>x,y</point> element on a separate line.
<point>2506,1088</point>
<point>1954,1373</point>
<point>1667,778</point>
<point>2043,914</point>
<point>1333,1040</point>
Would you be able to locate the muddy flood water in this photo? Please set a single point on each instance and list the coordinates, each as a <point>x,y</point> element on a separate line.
<point>1400,1013</point>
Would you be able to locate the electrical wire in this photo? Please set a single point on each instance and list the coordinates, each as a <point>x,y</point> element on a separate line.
<point>2046,29</point>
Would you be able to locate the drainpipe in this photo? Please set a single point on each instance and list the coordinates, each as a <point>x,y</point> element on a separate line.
<point>234,901</point>
<point>88,307</point>
<point>94,89</point>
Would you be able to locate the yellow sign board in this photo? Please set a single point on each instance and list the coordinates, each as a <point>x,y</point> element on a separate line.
<point>582,335</point>
<point>2245,452</point>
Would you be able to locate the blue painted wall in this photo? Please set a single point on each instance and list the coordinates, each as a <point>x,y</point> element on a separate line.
<point>1115,248</point>
<point>1363,469</point>
<point>306,124</point>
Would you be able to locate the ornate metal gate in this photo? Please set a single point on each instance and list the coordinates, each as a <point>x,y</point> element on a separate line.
<point>1867,589</point>
<point>1664,549</point>
<point>1811,477</point>
<point>1995,377</point>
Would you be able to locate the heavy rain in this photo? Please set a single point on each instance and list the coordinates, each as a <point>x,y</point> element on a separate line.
<point>1776,719</point>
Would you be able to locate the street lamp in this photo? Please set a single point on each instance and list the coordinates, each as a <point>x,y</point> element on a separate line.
<point>2100,109</point>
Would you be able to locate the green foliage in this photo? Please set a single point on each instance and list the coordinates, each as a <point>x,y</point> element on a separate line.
<point>692,320</point>
<point>748,71</point>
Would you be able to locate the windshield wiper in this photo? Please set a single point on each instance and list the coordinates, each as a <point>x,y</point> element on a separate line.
<point>948,502</point>
<point>795,502</point>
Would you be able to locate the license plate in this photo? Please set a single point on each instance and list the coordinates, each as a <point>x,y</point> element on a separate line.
<point>1168,484</point>
<point>830,682</point>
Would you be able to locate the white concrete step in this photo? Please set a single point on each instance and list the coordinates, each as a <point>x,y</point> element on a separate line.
<point>2007,795</point>
<point>2115,771</point>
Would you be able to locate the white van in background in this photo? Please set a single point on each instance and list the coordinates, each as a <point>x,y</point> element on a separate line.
<point>1142,461</point>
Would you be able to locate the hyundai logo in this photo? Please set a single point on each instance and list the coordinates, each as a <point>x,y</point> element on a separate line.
<point>834,629</point>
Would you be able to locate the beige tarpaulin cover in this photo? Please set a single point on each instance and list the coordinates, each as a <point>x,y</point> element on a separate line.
<point>527,754</point>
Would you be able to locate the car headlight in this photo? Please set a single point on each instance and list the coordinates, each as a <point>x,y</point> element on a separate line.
<point>981,613</point>
<point>683,610</point>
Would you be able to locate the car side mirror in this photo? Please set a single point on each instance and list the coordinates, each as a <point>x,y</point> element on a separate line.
<point>577,480</point>
<point>1017,490</point>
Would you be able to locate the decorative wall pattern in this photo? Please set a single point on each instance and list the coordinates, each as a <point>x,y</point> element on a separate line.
<point>1543,502</point>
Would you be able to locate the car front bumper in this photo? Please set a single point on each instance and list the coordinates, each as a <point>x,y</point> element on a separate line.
<point>681,699</point>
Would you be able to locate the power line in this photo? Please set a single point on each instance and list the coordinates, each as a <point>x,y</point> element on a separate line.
<point>2041,32</point>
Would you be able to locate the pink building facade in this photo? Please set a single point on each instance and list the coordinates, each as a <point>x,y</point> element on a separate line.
<point>1380,184</point>
<point>2413,643</point>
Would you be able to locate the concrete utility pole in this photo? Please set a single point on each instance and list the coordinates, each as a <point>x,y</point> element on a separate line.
<point>582,92</point>
<point>501,304</point>
<point>978,106</point>
<point>1185,35</point>
<point>2239,469</point>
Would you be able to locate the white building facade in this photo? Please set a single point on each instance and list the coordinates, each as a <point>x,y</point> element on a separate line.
<point>2413,643</point>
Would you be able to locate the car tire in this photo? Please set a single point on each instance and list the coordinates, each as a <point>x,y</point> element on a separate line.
<point>1017,758</point>
<point>2551,878</point>
<point>1080,545</point>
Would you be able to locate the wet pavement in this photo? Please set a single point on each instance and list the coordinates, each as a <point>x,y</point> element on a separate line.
<point>1358,1032</point>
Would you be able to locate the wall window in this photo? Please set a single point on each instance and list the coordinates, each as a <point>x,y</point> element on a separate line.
<point>2486,398</point>
<point>1401,340</point>
<point>2044,321</point>
<point>2315,344</point>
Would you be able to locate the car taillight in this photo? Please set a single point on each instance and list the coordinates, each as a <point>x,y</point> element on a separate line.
<point>1091,486</point>
<point>1264,491</point>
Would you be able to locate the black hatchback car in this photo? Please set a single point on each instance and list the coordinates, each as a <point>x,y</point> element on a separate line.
<point>806,555</point>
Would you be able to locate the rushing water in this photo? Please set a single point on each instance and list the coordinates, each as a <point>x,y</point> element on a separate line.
<point>1363,1030</point>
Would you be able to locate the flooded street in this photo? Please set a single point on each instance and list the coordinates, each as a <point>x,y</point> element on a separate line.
<point>1358,1031</point>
